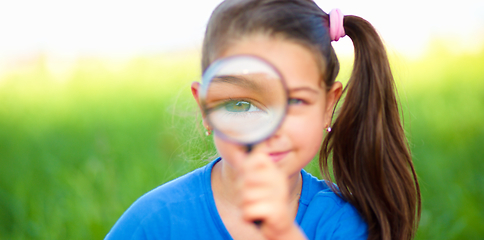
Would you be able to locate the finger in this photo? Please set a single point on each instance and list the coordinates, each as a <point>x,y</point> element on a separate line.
<point>258,211</point>
<point>262,177</point>
<point>255,195</point>
<point>252,189</point>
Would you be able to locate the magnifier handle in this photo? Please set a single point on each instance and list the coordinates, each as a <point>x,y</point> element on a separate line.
<point>258,223</point>
<point>249,148</point>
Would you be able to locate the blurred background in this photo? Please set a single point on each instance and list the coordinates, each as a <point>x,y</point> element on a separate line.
<point>95,107</point>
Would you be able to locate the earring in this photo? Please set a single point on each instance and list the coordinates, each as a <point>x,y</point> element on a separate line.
<point>208,132</point>
<point>328,129</point>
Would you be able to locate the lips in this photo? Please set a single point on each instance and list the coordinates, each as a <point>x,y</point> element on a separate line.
<point>278,156</point>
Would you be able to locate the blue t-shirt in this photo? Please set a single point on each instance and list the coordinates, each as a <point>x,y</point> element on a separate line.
<point>185,209</point>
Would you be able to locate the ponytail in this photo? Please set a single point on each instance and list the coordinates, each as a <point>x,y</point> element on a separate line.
<point>371,162</point>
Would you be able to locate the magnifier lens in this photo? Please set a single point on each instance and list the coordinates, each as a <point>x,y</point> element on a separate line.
<point>244,98</point>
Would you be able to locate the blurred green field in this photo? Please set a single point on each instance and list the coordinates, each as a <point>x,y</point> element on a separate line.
<point>76,149</point>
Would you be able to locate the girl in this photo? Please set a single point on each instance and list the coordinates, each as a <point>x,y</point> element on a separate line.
<point>377,194</point>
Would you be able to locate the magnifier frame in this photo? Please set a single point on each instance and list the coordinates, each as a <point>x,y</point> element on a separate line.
<point>211,72</point>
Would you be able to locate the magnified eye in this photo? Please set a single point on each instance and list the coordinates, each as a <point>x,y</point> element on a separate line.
<point>240,106</point>
<point>240,114</point>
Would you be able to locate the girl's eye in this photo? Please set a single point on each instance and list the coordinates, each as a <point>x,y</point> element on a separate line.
<point>295,101</point>
<point>239,106</point>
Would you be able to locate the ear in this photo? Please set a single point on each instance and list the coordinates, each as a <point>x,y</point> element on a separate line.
<point>332,97</point>
<point>195,92</point>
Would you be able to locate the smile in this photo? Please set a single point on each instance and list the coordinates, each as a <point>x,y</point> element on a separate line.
<point>278,156</point>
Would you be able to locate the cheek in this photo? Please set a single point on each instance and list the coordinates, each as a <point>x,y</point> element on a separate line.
<point>309,132</point>
<point>311,136</point>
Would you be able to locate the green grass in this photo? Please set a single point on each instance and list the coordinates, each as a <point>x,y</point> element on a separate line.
<point>445,109</point>
<point>77,149</point>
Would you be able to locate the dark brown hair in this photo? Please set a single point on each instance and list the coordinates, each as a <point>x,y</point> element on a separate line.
<point>367,147</point>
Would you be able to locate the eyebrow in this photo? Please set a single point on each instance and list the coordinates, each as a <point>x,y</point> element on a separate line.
<point>243,82</point>
<point>239,81</point>
<point>308,89</point>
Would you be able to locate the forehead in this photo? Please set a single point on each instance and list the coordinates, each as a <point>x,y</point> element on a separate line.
<point>296,63</point>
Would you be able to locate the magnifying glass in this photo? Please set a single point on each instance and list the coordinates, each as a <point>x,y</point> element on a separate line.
<point>244,99</point>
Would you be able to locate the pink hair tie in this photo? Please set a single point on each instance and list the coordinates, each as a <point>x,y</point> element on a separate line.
<point>336,29</point>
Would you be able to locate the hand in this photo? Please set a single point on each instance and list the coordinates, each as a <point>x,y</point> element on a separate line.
<point>264,195</point>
